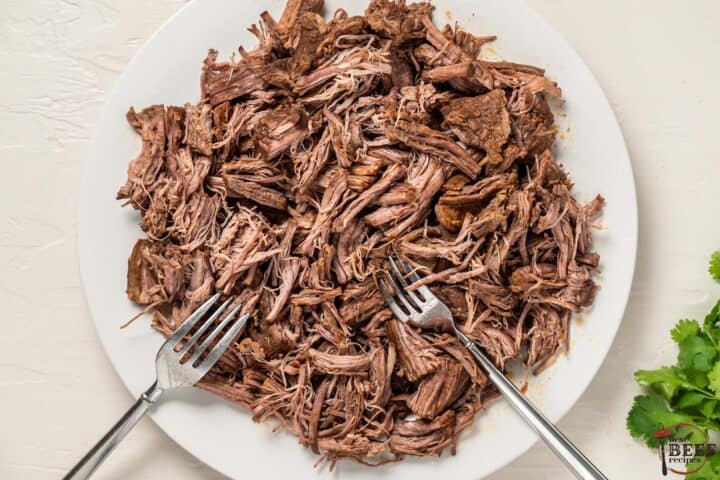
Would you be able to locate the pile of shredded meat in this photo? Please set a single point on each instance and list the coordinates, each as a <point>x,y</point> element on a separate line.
<point>311,158</point>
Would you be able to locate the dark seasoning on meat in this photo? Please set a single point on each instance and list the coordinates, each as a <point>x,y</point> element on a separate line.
<point>311,157</point>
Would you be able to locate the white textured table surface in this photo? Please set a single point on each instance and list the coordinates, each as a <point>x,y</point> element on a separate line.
<point>657,62</point>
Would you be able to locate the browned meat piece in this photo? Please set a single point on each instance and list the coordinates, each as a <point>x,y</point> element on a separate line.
<point>425,139</point>
<point>423,437</point>
<point>225,81</point>
<point>339,364</point>
<point>481,121</point>
<point>454,298</point>
<point>348,245</point>
<point>489,75</point>
<point>361,301</point>
<point>581,288</point>
<point>244,242</point>
<point>548,337</point>
<point>535,131</point>
<point>200,283</point>
<point>449,217</point>
<point>143,171</point>
<point>449,73</point>
<point>449,52</point>
<point>358,61</point>
<point>530,277</point>
<point>155,273</point>
<point>198,130</point>
<point>402,70</point>
<point>285,271</point>
<point>287,26</point>
<point>238,188</point>
<point>331,199</point>
<point>340,138</point>
<point>452,217</point>
<point>541,283</point>
<point>254,170</point>
<point>459,74</point>
<point>417,356</point>
<point>279,130</point>
<point>340,26</point>
<point>439,390</point>
<point>310,158</point>
<point>174,132</point>
<point>479,192</point>
<point>381,368</point>
<point>198,219</point>
<point>427,178</point>
<point>461,354</point>
<point>308,165</point>
<point>143,287</point>
<point>366,169</point>
<point>310,30</point>
<point>364,199</point>
<point>396,20</point>
<point>387,215</point>
<point>469,43</point>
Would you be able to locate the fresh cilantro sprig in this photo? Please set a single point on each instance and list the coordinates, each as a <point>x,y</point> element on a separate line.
<point>715,266</point>
<point>687,392</point>
<point>710,469</point>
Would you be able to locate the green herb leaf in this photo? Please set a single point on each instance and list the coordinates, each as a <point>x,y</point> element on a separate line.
<point>714,268</point>
<point>707,407</point>
<point>696,353</point>
<point>691,434</point>
<point>684,329</point>
<point>650,414</point>
<point>688,400</point>
<point>709,471</point>
<point>705,473</point>
<point>664,380</point>
<point>710,324</point>
<point>714,378</point>
<point>696,378</point>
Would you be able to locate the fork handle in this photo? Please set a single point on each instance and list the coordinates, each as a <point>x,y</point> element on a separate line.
<point>102,449</point>
<point>578,463</point>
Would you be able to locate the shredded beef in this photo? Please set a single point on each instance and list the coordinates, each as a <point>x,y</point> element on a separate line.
<point>309,159</point>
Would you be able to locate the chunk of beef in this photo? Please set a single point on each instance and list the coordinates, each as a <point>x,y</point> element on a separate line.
<point>425,139</point>
<point>397,20</point>
<point>225,81</point>
<point>417,357</point>
<point>439,390</point>
<point>239,188</point>
<point>143,171</point>
<point>481,121</point>
<point>280,129</point>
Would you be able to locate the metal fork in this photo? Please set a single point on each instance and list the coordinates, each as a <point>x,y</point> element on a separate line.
<point>171,373</point>
<point>421,308</point>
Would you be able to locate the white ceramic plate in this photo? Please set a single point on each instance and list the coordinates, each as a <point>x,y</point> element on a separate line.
<point>167,70</point>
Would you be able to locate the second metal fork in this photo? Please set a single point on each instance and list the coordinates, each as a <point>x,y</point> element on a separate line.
<point>421,308</point>
<point>171,373</point>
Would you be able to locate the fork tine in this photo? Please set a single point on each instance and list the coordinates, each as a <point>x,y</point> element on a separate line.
<point>390,300</point>
<point>423,291</point>
<point>206,343</point>
<point>400,274</point>
<point>401,295</point>
<point>223,344</point>
<point>211,319</point>
<point>191,321</point>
